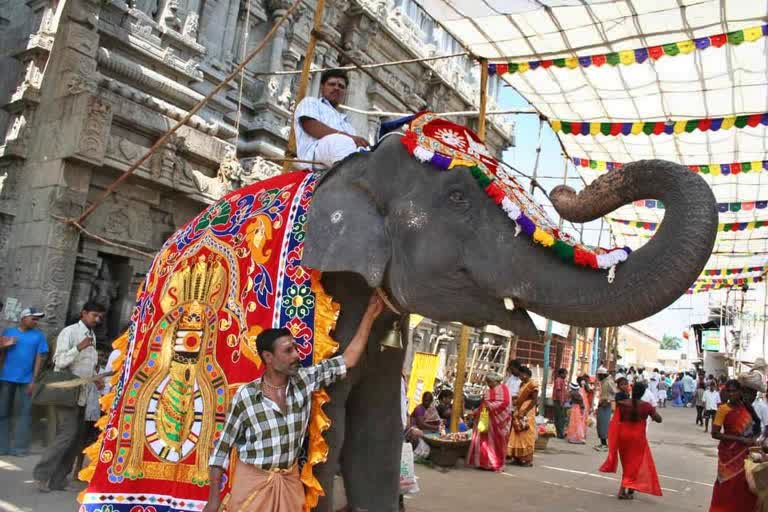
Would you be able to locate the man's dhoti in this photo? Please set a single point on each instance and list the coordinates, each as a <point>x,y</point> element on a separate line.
<point>258,490</point>
<point>333,148</point>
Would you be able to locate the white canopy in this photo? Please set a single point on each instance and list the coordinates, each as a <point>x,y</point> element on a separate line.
<point>685,68</point>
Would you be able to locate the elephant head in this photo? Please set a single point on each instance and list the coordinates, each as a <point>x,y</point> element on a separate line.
<point>441,248</point>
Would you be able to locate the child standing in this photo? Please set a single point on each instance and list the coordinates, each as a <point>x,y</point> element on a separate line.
<point>711,403</point>
<point>699,402</point>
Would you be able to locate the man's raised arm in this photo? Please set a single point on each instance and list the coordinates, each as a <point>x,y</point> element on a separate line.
<point>357,345</point>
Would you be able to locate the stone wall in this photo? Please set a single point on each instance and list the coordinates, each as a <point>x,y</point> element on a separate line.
<point>88,86</point>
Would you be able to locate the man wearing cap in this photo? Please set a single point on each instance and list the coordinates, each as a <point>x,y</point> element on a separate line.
<point>76,352</point>
<point>21,358</point>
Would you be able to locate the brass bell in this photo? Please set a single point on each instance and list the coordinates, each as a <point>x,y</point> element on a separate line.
<point>393,338</point>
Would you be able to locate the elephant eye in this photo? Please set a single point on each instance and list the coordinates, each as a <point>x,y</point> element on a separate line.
<point>457,196</point>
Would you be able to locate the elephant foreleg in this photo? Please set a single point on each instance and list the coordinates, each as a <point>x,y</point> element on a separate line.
<point>336,410</point>
<point>374,436</point>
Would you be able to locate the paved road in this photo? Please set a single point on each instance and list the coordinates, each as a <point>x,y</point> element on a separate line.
<point>564,478</point>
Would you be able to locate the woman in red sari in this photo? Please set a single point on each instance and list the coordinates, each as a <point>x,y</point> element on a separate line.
<point>488,448</point>
<point>627,442</point>
<point>734,428</point>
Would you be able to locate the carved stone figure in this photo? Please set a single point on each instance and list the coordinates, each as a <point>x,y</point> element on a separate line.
<point>103,289</point>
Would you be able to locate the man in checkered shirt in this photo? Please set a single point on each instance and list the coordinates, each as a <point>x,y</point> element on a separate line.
<point>267,422</point>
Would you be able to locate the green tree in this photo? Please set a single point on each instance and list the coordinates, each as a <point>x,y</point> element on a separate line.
<point>670,342</point>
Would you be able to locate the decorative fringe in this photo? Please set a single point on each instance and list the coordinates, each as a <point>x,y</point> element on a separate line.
<point>326,313</point>
<point>604,259</point>
<point>107,402</point>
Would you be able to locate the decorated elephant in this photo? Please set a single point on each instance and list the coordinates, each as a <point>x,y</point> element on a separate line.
<point>430,219</point>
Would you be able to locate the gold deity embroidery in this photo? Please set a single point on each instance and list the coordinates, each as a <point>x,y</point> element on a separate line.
<point>176,399</point>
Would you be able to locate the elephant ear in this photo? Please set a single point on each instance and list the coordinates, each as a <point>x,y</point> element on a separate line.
<point>345,230</point>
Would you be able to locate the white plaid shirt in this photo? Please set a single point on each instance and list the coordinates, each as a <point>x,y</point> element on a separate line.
<point>321,110</point>
<point>264,436</point>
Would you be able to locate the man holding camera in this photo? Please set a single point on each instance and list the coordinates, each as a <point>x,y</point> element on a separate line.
<point>76,352</point>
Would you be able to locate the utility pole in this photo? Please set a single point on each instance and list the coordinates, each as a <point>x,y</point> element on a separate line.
<point>545,376</point>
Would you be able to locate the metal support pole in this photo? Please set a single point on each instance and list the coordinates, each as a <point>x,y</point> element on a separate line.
<point>765,301</point>
<point>545,376</point>
<point>595,352</point>
<point>483,99</point>
<point>458,385</point>
<point>573,337</point>
<point>290,149</point>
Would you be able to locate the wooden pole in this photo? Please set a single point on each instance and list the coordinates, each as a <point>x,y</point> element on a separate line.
<point>290,149</point>
<point>458,386</point>
<point>483,99</point>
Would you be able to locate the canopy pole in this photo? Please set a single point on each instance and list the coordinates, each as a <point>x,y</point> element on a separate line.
<point>483,98</point>
<point>458,385</point>
<point>290,149</point>
<point>548,333</point>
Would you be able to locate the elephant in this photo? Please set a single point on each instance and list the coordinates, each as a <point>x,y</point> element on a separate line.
<point>437,246</point>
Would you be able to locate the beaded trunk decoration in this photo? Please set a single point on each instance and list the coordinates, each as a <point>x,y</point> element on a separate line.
<point>219,281</point>
<point>432,139</point>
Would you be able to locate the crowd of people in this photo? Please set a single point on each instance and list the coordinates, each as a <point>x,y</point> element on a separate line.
<point>620,404</point>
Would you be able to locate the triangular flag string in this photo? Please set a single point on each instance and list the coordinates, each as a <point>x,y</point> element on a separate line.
<point>711,169</point>
<point>722,227</point>
<point>669,127</point>
<point>636,56</point>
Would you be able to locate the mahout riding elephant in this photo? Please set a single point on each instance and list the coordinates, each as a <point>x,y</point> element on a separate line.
<point>429,238</point>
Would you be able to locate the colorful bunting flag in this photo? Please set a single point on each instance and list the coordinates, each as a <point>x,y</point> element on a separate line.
<point>712,169</point>
<point>729,271</point>
<point>658,127</point>
<point>733,207</point>
<point>725,283</point>
<point>723,227</point>
<point>636,56</point>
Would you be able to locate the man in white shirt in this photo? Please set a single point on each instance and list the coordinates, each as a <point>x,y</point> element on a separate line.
<point>689,387</point>
<point>513,381</point>
<point>323,134</point>
<point>711,403</point>
<point>76,352</point>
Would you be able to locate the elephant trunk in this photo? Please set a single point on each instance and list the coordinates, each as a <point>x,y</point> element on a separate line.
<point>655,275</point>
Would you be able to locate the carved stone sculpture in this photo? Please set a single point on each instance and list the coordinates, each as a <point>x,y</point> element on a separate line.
<point>103,289</point>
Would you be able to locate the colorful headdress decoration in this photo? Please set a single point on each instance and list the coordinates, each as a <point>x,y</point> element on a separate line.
<point>446,145</point>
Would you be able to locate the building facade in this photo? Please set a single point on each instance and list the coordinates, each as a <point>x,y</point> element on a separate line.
<point>88,86</point>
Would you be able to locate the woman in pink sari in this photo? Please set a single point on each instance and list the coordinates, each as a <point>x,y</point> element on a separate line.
<point>488,448</point>
<point>577,426</point>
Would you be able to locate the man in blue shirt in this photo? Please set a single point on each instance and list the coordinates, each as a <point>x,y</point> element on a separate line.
<point>20,361</point>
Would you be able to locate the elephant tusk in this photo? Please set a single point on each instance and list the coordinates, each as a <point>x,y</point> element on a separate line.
<point>509,304</point>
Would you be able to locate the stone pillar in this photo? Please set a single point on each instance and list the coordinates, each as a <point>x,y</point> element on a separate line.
<point>67,139</point>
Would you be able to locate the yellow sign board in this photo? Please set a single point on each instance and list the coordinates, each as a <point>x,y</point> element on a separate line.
<point>423,375</point>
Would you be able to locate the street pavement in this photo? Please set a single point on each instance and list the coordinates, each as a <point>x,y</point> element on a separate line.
<point>564,478</point>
